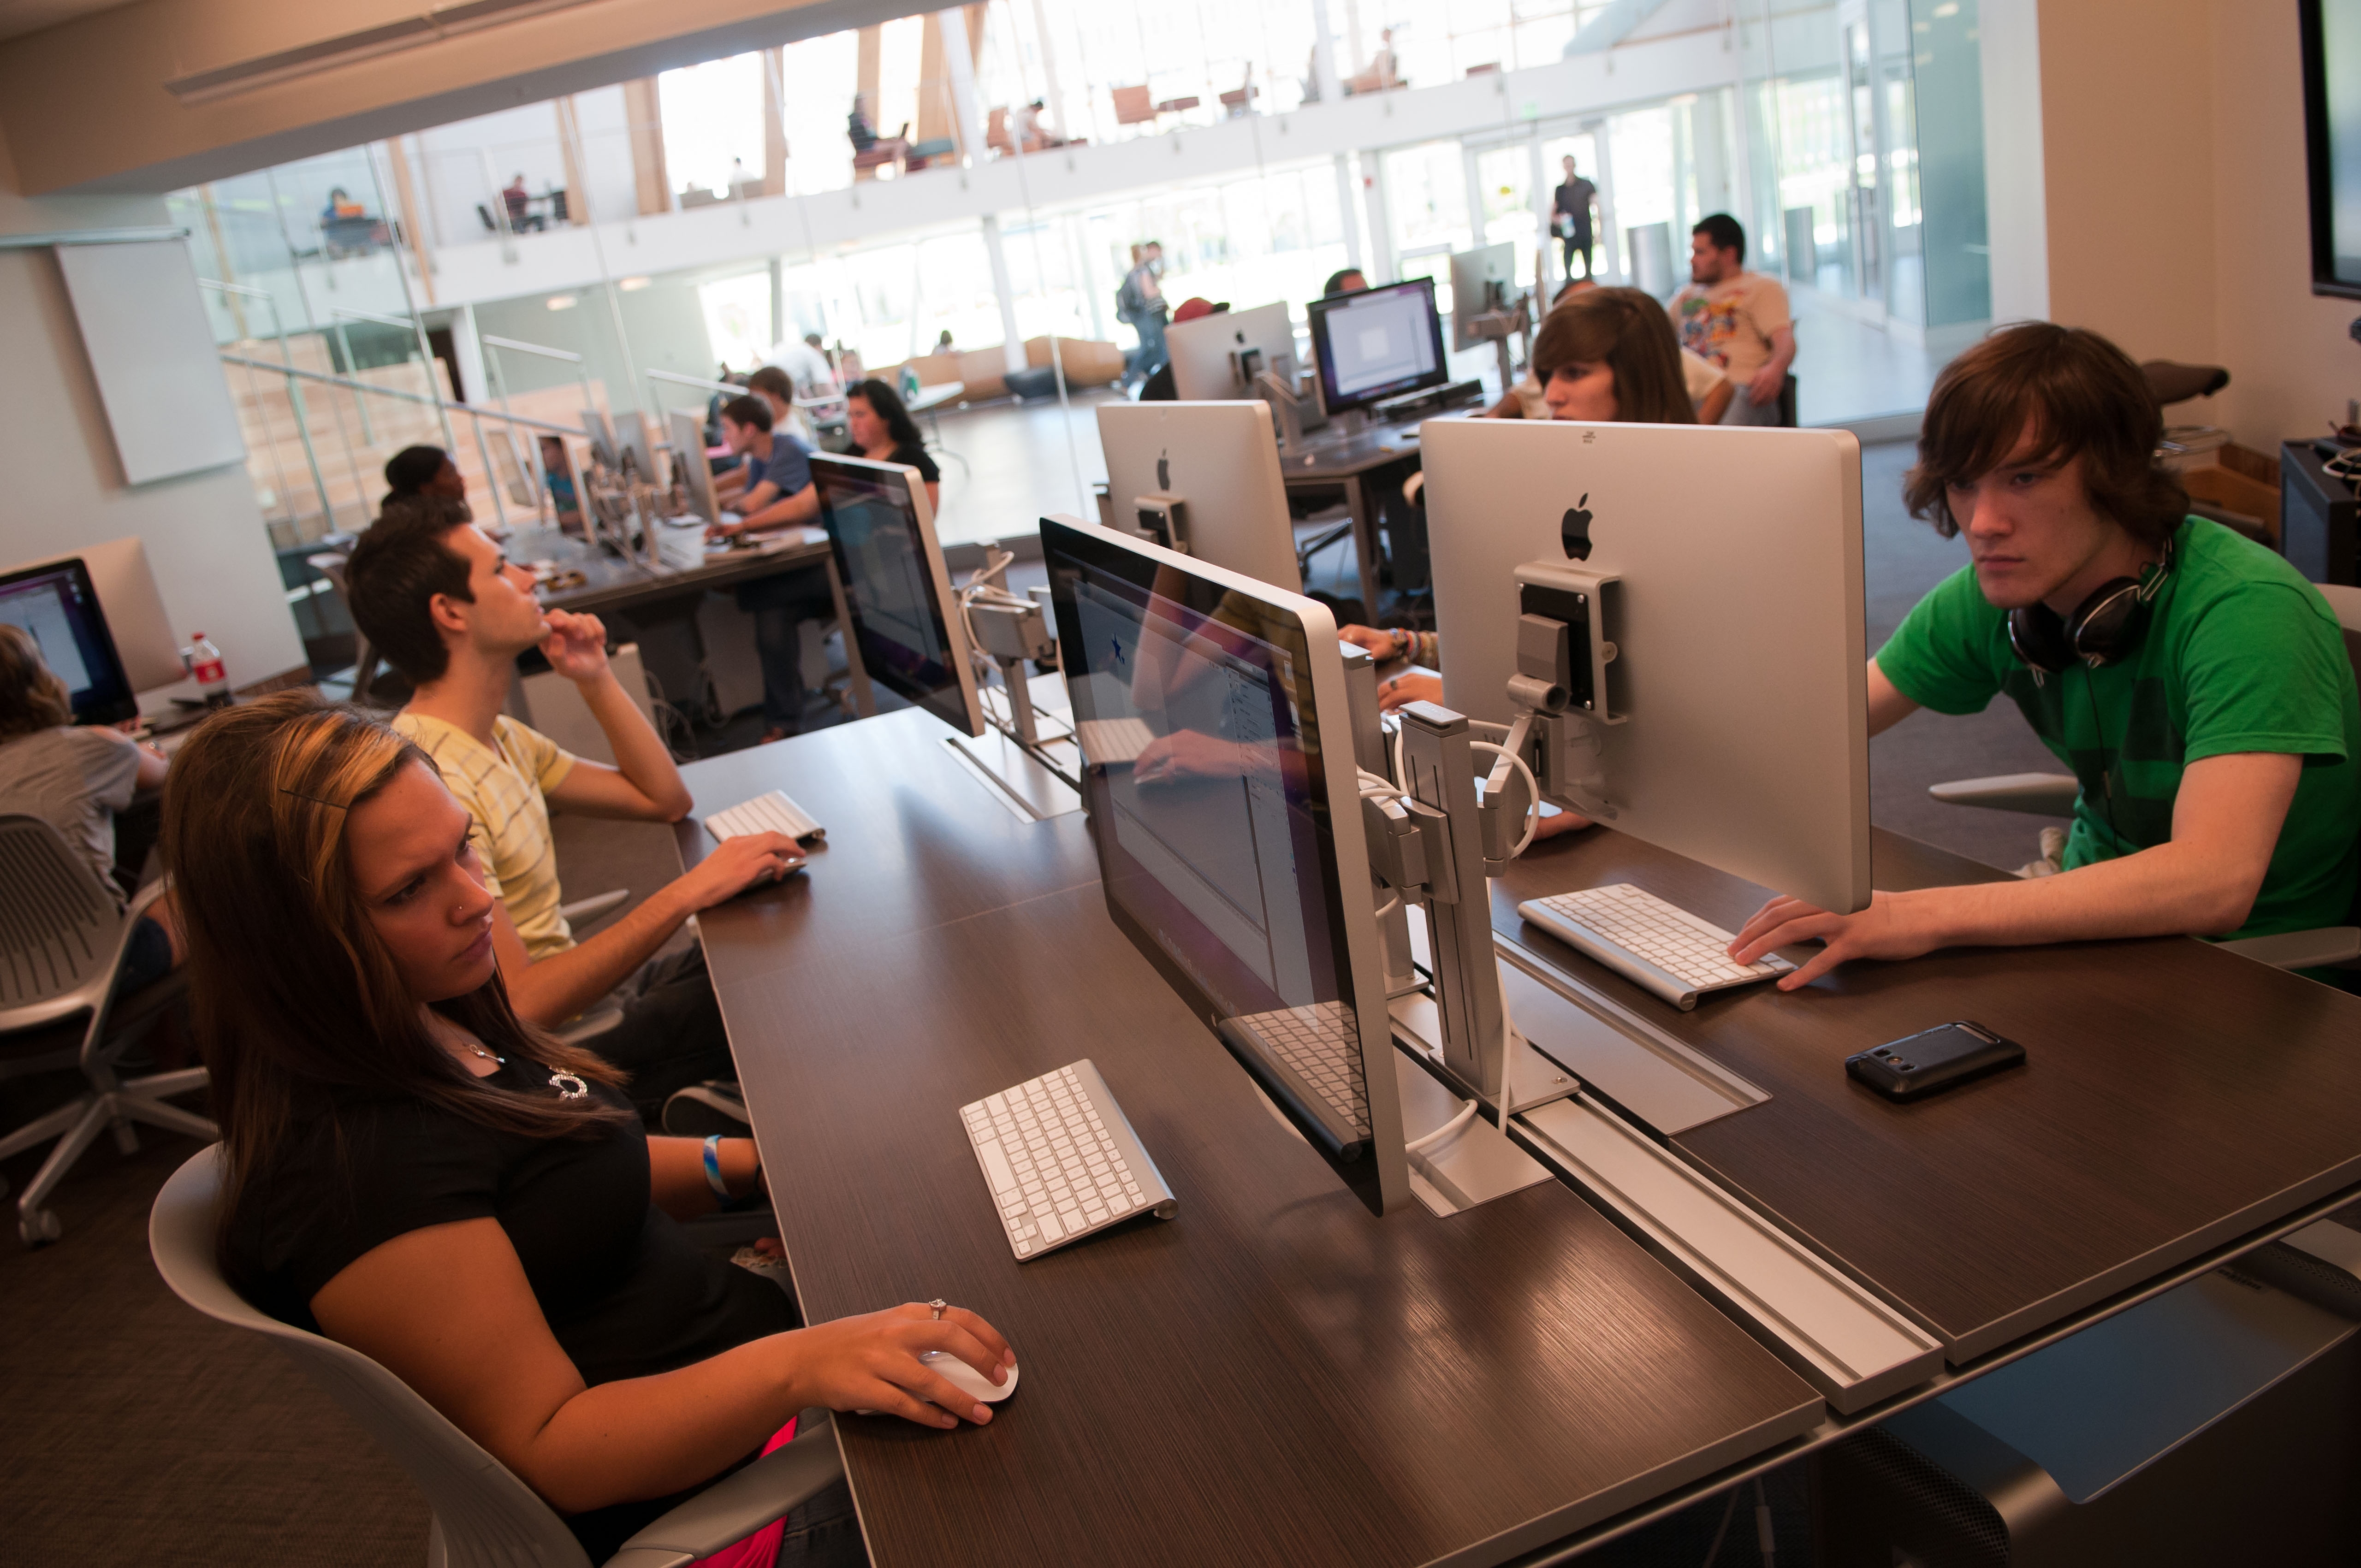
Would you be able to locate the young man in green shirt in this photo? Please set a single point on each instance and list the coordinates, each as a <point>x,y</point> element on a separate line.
<point>2195,684</point>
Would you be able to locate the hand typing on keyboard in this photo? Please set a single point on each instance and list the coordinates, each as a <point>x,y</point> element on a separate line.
<point>1889,928</point>
<point>737,864</point>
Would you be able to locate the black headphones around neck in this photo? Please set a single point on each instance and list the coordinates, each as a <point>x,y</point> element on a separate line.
<point>2103,629</point>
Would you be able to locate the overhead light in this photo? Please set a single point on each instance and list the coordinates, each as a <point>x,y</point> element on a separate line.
<point>632,285</point>
<point>1949,9</point>
<point>563,301</point>
<point>432,25</point>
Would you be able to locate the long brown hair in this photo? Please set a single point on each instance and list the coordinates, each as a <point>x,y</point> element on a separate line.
<point>32,697</point>
<point>1629,333</point>
<point>296,1001</point>
<point>2083,396</point>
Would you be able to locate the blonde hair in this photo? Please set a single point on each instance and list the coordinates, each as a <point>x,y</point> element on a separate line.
<point>32,697</point>
<point>296,999</point>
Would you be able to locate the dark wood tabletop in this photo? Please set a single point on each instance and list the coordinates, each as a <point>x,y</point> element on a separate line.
<point>1331,455</point>
<point>1271,1376</point>
<point>615,584</point>
<point>2175,1097</point>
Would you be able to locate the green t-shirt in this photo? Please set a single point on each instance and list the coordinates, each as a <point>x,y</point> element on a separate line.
<point>2240,654</point>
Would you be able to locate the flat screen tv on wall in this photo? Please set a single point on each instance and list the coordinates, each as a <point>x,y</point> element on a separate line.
<point>2332,106</point>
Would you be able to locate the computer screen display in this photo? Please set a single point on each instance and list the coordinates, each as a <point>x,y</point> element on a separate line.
<point>58,606</point>
<point>1378,344</point>
<point>2330,33</point>
<point>1211,804</point>
<point>895,586</point>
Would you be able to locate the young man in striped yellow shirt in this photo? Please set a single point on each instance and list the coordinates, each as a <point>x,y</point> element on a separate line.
<point>442,603</point>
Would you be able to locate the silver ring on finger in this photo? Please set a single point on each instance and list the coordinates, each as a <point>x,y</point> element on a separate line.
<point>939,1306</point>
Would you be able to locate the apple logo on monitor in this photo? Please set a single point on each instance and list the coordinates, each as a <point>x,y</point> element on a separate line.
<point>1164,473</point>
<point>1574,530</point>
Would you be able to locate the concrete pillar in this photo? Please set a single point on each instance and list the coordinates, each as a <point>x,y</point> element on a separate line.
<point>1348,208</point>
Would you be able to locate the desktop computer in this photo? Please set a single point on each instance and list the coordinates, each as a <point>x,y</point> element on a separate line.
<point>1378,344</point>
<point>133,608</point>
<point>687,429</point>
<point>905,627</point>
<point>1483,283</point>
<point>1230,839</point>
<point>1710,583</point>
<point>59,605</point>
<point>1220,461</point>
<point>1219,356</point>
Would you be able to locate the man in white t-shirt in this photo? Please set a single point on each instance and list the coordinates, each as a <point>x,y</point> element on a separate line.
<point>1736,320</point>
<point>807,366</point>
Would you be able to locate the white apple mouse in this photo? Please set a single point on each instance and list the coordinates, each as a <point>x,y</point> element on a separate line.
<point>966,1378</point>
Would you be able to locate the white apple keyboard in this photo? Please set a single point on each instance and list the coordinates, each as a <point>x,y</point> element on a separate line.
<point>1648,941</point>
<point>1061,1160</point>
<point>771,813</point>
<point>1109,741</point>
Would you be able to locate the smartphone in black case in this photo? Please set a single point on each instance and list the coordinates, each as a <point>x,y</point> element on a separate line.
<point>1929,1062</point>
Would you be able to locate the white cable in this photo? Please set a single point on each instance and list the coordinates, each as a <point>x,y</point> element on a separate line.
<point>1389,907</point>
<point>1376,784</point>
<point>1534,811</point>
<point>1444,1133</point>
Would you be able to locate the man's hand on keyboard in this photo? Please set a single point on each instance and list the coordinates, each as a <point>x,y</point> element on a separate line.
<point>1884,930</point>
<point>871,1362</point>
<point>737,864</point>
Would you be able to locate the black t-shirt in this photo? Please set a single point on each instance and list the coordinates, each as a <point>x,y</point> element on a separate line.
<point>911,454</point>
<point>1574,199</point>
<point>625,1291</point>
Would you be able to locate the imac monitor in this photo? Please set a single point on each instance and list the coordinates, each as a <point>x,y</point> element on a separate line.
<point>906,622</point>
<point>1378,344</point>
<point>1223,460</point>
<point>2331,34</point>
<point>1218,355</point>
<point>687,432</point>
<point>1482,280</point>
<point>602,433</point>
<point>133,608</point>
<point>1229,839</point>
<point>1736,620</point>
<point>59,605</point>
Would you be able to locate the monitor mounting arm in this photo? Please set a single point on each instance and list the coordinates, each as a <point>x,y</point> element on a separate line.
<point>1010,628</point>
<point>1563,692</point>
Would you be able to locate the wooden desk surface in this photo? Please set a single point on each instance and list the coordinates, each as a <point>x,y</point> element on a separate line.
<point>616,583</point>
<point>1330,456</point>
<point>2175,1097</point>
<point>1273,1375</point>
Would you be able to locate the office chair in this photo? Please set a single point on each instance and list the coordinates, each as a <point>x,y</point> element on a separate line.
<point>331,564</point>
<point>2053,795</point>
<point>1787,402</point>
<point>62,945</point>
<point>483,1516</point>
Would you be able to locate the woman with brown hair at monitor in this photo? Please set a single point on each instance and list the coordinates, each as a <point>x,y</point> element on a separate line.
<point>419,1175</point>
<point>1604,356</point>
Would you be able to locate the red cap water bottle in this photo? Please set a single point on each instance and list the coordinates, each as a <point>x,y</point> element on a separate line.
<point>205,664</point>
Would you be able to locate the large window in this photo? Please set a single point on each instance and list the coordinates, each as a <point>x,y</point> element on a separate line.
<point>713,124</point>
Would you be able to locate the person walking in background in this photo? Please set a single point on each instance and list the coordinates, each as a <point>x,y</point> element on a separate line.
<point>1738,320</point>
<point>1572,216</point>
<point>1141,302</point>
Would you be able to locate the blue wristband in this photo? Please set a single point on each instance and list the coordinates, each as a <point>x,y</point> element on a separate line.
<point>713,1171</point>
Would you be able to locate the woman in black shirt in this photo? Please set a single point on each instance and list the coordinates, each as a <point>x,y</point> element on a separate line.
<point>414,1172</point>
<point>883,429</point>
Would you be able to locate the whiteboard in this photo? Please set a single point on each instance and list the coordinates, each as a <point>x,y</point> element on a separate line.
<point>152,354</point>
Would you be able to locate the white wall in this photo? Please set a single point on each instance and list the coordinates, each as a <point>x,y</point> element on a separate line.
<point>2015,201</point>
<point>65,486</point>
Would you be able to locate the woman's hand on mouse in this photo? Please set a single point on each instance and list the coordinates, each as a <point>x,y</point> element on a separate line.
<point>871,1362</point>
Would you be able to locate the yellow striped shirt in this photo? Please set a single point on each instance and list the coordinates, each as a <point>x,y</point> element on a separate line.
<point>503,787</point>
